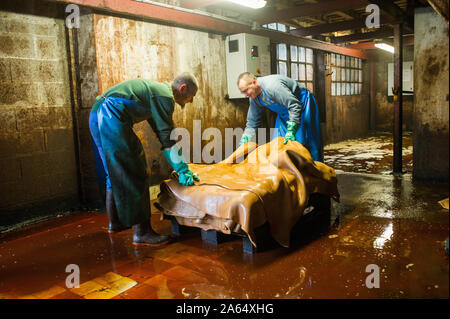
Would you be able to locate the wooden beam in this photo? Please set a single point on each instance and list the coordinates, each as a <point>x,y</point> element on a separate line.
<point>328,27</point>
<point>441,8</point>
<point>193,20</point>
<point>313,9</point>
<point>363,36</point>
<point>407,40</point>
<point>195,4</point>
<point>163,13</point>
<point>313,20</point>
<point>369,45</point>
<point>390,8</point>
<point>395,11</point>
<point>338,26</point>
<point>344,15</point>
<point>281,37</point>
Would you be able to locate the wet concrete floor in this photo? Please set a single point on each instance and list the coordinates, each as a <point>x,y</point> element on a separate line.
<point>382,220</point>
<point>371,154</point>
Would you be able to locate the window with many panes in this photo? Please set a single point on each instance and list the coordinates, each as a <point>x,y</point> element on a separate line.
<point>294,61</point>
<point>346,75</point>
<point>297,63</point>
<point>302,69</point>
<point>275,26</point>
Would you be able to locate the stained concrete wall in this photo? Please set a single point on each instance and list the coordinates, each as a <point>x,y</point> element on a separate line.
<point>346,116</point>
<point>129,49</point>
<point>431,105</point>
<point>38,152</point>
<point>37,161</point>
<point>384,104</point>
<point>86,61</point>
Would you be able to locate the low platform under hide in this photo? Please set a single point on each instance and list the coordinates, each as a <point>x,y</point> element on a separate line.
<point>260,193</point>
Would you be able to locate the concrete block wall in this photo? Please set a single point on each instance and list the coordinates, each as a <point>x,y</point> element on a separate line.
<point>37,152</point>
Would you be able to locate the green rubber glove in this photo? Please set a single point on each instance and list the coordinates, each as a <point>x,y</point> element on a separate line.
<point>188,178</point>
<point>176,160</point>
<point>290,133</point>
<point>245,139</point>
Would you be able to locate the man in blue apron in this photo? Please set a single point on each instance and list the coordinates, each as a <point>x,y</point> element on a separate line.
<point>121,153</point>
<point>296,109</point>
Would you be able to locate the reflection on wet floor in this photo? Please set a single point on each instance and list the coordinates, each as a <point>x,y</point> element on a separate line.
<point>371,154</point>
<point>382,220</point>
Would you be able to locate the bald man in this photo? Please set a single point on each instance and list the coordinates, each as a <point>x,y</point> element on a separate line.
<point>122,155</point>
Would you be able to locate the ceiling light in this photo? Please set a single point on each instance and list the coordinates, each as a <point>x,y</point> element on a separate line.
<point>385,47</point>
<point>254,4</point>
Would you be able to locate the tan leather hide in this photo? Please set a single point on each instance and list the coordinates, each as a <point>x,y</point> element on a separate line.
<point>272,184</point>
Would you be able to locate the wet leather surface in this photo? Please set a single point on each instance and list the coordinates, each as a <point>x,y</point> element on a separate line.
<point>254,185</point>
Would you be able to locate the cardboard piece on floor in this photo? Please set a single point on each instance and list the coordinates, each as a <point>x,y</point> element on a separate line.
<point>444,203</point>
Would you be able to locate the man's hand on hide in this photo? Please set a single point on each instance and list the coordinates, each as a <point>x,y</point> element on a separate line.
<point>245,139</point>
<point>187,178</point>
<point>291,130</point>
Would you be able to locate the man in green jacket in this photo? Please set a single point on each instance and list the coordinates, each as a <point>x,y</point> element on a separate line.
<point>122,155</point>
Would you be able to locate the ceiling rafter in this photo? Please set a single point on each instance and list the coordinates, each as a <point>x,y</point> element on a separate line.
<point>195,4</point>
<point>395,11</point>
<point>338,26</point>
<point>381,33</point>
<point>198,21</point>
<point>368,45</point>
<point>308,10</point>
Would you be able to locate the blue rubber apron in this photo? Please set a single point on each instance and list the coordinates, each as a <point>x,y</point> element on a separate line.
<point>122,157</point>
<point>308,132</point>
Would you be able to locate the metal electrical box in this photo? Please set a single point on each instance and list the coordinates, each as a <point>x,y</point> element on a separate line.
<point>245,53</point>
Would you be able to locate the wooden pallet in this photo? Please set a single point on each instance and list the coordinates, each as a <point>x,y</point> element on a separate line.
<point>316,221</point>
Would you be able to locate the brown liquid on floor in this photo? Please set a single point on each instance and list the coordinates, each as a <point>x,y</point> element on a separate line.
<point>383,220</point>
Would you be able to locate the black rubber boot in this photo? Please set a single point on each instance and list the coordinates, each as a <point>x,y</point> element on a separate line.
<point>114,223</point>
<point>143,234</point>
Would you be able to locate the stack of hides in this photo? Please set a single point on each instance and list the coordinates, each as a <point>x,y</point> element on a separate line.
<point>254,185</point>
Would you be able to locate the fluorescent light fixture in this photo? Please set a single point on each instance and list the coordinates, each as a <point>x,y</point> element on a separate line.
<point>254,4</point>
<point>385,47</point>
